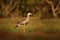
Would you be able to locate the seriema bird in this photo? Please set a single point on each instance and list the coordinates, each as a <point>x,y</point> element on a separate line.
<point>25,21</point>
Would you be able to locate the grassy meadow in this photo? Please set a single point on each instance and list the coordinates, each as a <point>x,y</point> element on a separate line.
<point>37,29</point>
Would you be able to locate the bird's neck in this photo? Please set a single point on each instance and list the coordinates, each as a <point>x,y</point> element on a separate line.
<point>28,17</point>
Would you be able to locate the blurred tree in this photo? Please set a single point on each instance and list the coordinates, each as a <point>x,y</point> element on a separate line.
<point>7,6</point>
<point>45,8</point>
<point>26,6</point>
<point>54,4</point>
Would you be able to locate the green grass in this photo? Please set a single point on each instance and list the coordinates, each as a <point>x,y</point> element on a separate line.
<point>35,25</point>
<point>37,29</point>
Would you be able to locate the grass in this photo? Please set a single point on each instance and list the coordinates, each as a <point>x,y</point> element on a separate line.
<point>37,29</point>
<point>35,25</point>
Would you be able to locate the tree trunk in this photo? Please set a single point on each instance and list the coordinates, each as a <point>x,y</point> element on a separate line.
<point>53,11</point>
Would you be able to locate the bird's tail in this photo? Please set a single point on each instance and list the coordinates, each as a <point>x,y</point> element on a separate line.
<point>18,25</point>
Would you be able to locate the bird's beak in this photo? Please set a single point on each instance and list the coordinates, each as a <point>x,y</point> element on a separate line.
<point>31,14</point>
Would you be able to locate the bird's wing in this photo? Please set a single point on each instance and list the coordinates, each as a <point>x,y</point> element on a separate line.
<point>25,21</point>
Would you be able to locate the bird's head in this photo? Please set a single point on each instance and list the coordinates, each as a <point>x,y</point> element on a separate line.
<point>29,14</point>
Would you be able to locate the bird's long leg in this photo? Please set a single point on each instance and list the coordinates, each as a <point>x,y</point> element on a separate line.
<point>24,29</point>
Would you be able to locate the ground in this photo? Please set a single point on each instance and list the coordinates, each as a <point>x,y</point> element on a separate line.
<point>37,29</point>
